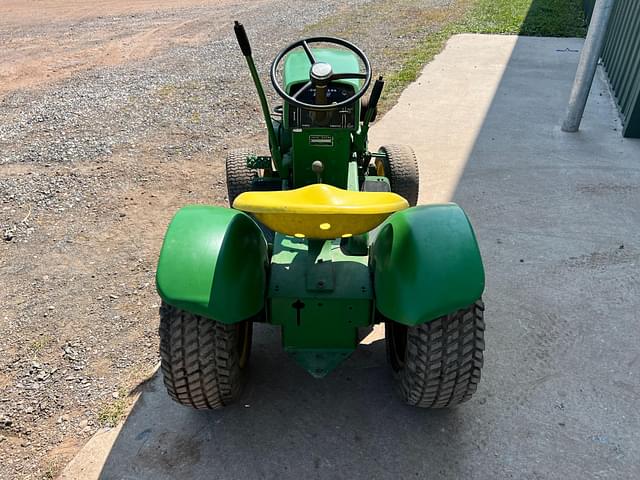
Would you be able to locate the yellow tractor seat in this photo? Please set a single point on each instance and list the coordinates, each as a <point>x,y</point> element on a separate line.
<point>320,211</point>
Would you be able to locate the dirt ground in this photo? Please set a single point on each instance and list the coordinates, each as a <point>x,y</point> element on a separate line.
<point>38,54</point>
<point>115,114</point>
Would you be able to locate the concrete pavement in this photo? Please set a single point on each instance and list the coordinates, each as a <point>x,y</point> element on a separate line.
<point>558,220</point>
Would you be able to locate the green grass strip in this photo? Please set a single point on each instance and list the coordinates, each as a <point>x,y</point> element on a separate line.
<point>549,18</point>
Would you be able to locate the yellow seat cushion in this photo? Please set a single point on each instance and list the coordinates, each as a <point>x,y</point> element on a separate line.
<point>320,211</point>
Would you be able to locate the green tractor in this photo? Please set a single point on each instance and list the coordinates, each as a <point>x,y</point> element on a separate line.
<point>324,240</point>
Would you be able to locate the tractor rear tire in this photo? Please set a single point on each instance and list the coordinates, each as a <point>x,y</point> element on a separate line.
<point>203,362</point>
<point>400,166</point>
<point>438,364</point>
<point>239,176</point>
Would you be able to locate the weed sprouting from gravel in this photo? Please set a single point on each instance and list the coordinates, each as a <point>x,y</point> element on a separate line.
<point>40,344</point>
<point>110,414</point>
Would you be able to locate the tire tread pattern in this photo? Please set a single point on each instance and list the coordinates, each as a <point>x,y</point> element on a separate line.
<point>403,172</point>
<point>239,177</point>
<point>199,359</point>
<point>444,359</point>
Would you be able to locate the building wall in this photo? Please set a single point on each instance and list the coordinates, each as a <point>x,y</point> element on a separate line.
<point>621,58</point>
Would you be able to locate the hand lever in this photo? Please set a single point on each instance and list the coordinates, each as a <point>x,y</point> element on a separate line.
<point>243,40</point>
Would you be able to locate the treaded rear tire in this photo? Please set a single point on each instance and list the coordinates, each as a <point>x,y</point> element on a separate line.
<point>401,168</point>
<point>201,359</point>
<point>442,359</point>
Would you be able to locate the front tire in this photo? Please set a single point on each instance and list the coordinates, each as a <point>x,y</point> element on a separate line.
<point>400,166</point>
<point>239,176</point>
<point>203,362</point>
<point>438,364</point>
<point>240,179</point>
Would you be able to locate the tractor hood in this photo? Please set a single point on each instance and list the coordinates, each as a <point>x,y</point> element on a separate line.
<point>297,66</point>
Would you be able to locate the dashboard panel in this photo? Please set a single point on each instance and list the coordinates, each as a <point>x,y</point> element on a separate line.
<point>336,92</point>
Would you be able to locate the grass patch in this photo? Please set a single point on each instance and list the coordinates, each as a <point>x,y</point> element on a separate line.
<point>52,470</point>
<point>547,18</point>
<point>40,344</point>
<point>553,18</point>
<point>111,413</point>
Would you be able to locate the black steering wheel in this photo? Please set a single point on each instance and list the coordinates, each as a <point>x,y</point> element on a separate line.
<point>321,74</point>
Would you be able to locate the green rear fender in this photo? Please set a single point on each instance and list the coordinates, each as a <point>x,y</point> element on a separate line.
<point>426,263</point>
<point>213,263</point>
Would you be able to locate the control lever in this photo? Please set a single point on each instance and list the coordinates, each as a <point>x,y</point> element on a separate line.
<point>245,47</point>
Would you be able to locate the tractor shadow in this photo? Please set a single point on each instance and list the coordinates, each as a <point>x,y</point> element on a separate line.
<point>290,425</point>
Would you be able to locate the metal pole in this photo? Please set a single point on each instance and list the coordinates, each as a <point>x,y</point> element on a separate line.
<point>587,65</point>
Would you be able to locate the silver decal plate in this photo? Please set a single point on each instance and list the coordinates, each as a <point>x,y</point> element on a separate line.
<point>321,140</point>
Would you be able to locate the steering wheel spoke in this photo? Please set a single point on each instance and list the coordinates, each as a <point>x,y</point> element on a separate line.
<point>308,51</point>
<point>348,76</point>
<point>304,87</point>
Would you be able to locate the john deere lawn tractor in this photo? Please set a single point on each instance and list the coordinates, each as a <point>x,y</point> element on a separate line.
<point>323,239</point>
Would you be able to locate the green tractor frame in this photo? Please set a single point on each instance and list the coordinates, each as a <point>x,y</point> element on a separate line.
<point>323,239</point>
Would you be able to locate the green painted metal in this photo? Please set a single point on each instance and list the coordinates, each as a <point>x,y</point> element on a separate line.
<point>335,151</point>
<point>319,362</point>
<point>335,157</point>
<point>213,263</point>
<point>357,245</point>
<point>426,263</point>
<point>621,59</point>
<point>284,137</point>
<point>258,161</point>
<point>319,296</point>
<point>353,180</point>
<point>297,66</point>
<point>361,136</point>
<point>360,141</point>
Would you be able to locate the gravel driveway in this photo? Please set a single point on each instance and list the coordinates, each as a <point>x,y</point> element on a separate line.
<point>112,118</point>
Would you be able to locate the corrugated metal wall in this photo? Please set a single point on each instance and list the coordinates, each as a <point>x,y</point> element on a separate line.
<point>621,58</point>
